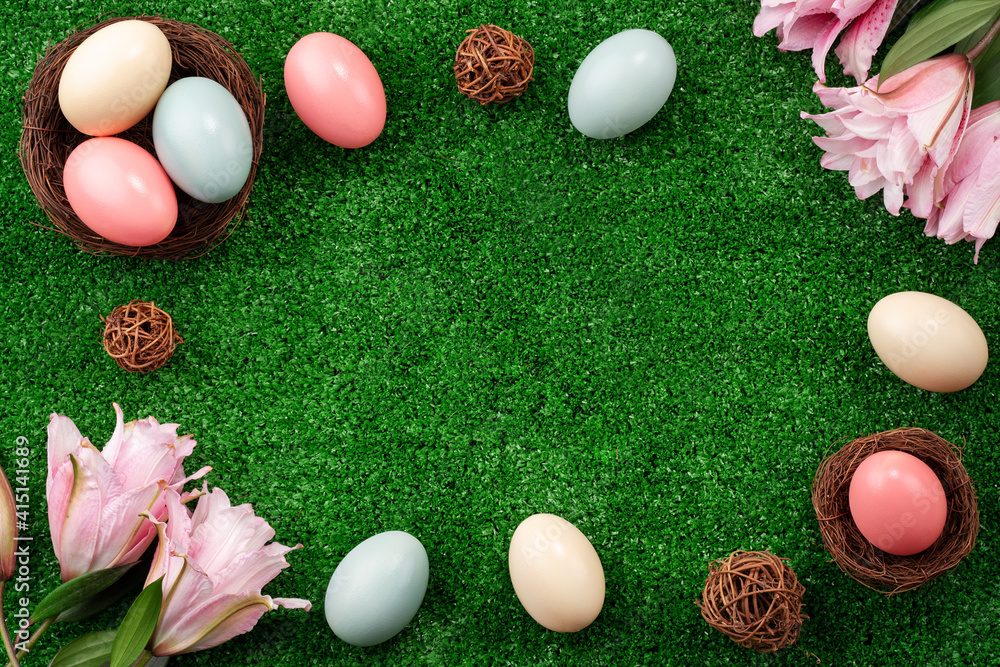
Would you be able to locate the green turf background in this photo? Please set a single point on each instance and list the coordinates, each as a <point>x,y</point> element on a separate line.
<point>484,315</point>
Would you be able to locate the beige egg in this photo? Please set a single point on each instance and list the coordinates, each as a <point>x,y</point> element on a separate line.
<point>114,77</point>
<point>928,341</point>
<point>557,574</point>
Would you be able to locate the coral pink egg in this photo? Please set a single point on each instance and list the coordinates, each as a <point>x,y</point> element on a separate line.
<point>335,90</point>
<point>897,502</point>
<point>120,191</point>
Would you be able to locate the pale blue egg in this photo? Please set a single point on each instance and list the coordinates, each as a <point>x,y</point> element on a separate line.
<point>621,84</point>
<point>378,587</point>
<point>203,139</point>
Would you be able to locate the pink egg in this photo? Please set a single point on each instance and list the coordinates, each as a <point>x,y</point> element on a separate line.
<point>897,502</point>
<point>335,90</point>
<point>120,191</point>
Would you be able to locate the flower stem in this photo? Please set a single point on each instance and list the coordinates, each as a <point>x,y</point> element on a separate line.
<point>981,45</point>
<point>7,644</point>
<point>32,640</point>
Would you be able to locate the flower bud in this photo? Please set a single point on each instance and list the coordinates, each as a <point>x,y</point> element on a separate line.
<point>8,528</point>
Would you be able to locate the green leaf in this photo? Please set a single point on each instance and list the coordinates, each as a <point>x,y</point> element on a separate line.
<point>101,600</point>
<point>927,9</point>
<point>936,31</point>
<point>987,88</point>
<point>138,626</point>
<point>966,43</point>
<point>91,650</point>
<point>77,591</point>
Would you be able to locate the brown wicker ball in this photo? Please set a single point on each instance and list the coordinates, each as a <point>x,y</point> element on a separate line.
<point>755,599</point>
<point>139,336</point>
<point>47,139</point>
<point>854,554</point>
<point>493,65</point>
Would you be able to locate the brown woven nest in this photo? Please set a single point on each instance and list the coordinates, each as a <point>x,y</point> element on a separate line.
<point>755,599</point>
<point>47,139</point>
<point>139,336</point>
<point>493,65</point>
<point>855,555</point>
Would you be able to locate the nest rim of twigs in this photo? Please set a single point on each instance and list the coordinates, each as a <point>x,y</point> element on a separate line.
<point>139,336</point>
<point>755,599</point>
<point>493,65</point>
<point>853,553</point>
<point>47,139</point>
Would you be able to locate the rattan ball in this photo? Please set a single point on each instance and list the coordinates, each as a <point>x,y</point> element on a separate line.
<point>47,139</point>
<point>139,336</point>
<point>493,65</point>
<point>755,599</point>
<point>868,564</point>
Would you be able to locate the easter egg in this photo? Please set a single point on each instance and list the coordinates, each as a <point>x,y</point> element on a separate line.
<point>897,502</point>
<point>556,573</point>
<point>928,341</point>
<point>335,90</point>
<point>114,77</point>
<point>378,587</point>
<point>621,84</point>
<point>120,191</point>
<point>203,139</point>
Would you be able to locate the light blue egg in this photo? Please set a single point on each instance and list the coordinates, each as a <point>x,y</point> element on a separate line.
<point>378,587</point>
<point>622,84</point>
<point>203,139</point>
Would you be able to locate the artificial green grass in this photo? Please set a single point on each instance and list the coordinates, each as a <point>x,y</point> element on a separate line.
<point>485,315</point>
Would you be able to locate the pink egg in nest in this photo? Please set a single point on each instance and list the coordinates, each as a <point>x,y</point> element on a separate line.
<point>120,191</point>
<point>897,502</point>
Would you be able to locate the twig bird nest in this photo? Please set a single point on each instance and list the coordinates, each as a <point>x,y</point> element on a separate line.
<point>493,65</point>
<point>139,336</point>
<point>47,139</point>
<point>860,559</point>
<point>755,599</point>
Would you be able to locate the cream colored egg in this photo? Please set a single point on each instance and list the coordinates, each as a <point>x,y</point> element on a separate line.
<point>114,77</point>
<point>928,341</point>
<point>557,574</point>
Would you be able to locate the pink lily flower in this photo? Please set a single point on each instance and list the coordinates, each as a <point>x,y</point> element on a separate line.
<point>96,499</point>
<point>970,208</point>
<point>214,563</point>
<point>815,24</point>
<point>900,135</point>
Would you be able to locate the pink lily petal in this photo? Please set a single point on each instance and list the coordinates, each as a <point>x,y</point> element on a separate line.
<point>808,30</point>
<point>150,452</point>
<point>213,623</point>
<point>292,603</point>
<point>948,220</point>
<point>113,445</point>
<point>93,482</point>
<point>772,14</point>
<point>123,531</point>
<point>64,439</point>
<point>982,210</point>
<point>251,571</point>
<point>863,37</point>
